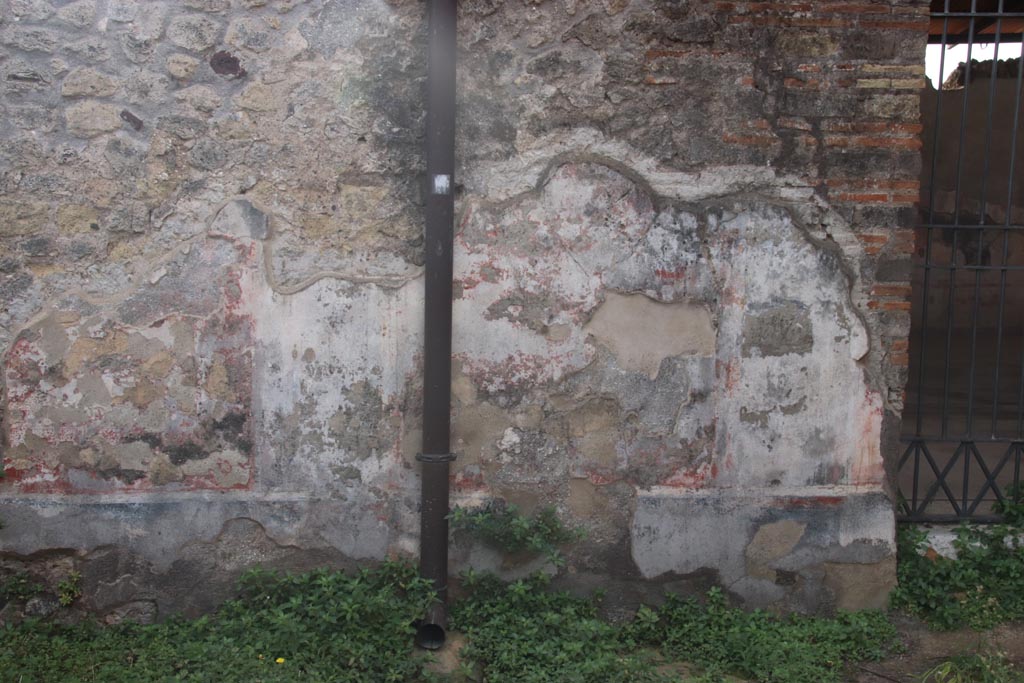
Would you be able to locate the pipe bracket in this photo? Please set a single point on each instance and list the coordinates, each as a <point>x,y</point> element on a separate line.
<point>439,457</point>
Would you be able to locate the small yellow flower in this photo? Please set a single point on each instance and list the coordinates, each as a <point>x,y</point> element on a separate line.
<point>279,660</point>
<point>260,656</point>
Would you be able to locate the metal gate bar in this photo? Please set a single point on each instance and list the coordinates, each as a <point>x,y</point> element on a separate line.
<point>958,460</point>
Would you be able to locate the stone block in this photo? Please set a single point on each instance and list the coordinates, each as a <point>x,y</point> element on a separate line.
<point>89,119</point>
<point>193,32</point>
<point>87,82</point>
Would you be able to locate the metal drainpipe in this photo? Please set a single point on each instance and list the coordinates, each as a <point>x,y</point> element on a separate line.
<point>437,350</point>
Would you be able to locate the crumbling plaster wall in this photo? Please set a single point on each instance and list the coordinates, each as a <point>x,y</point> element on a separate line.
<point>681,287</point>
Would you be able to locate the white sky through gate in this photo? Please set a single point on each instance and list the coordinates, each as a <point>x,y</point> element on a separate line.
<point>958,54</point>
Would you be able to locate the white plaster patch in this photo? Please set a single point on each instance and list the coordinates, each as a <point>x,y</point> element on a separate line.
<point>364,333</point>
<point>314,346</point>
<point>807,417</point>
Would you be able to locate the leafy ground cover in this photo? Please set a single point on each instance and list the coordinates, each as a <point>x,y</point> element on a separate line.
<point>316,627</point>
<point>326,626</point>
<point>524,633</point>
<point>976,667</point>
<point>982,586</point>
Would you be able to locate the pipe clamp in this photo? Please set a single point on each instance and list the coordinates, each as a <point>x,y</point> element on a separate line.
<point>440,457</point>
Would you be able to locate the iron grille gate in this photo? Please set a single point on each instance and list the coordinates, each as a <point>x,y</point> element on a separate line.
<point>964,419</point>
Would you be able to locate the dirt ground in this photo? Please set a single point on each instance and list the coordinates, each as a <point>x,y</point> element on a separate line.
<point>926,648</point>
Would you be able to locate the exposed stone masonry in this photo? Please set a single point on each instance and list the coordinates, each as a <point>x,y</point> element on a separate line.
<point>682,287</point>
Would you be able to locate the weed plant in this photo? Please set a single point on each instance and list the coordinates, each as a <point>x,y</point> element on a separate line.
<point>979,667</point>
<point>326,626</point>
<point>505,528</point>
<point>19,588</point>
<point>763,646</point>
<point>314,627</point>
<point>981,587</point>
<point>524,633</point>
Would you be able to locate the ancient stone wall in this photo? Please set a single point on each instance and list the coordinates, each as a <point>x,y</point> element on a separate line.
<point>681,307</point>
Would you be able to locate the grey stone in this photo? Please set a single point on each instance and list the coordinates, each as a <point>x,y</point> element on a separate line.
<point>249,33</point>
<point>92,49</point>
<point>29,39</point>
<point>86,82</point>
<point>136,49</point>
<point>31,10</point>
<point>148,87</point>
<point>137,612</point>
<point>122,11</point>
<point>240,217</point>
<point>208,5</point>
<point>183,127</point>
<point>89,119</point>
<point>779,330</point>
<point>338,27</point>
<point>193,32</point>
<point>20,74</point>
<point>131,217</point>
<point>34,117</point>
<point>208,154</point>
<point>42,606</point>
<point>38,247</point>
<point>81,13</point>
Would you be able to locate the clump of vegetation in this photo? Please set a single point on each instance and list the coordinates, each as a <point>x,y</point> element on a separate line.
<point>523,633</point>
<point>69,589</point>
<point>981,587</point>
<point>328,626</point>
<point>19,587</point>
<point>759,645</point>
<point>979,667</point>
<point>505,528</point>
<point>321,626</point>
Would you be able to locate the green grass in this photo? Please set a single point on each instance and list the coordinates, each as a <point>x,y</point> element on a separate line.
<point>327,626</point>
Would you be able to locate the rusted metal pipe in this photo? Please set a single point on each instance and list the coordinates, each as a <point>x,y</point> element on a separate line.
<point>437,352</point>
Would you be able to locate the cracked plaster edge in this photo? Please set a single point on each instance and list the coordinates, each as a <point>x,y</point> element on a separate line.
<point>822,228</point>
<point>536,169</point>
<point>527,170</point>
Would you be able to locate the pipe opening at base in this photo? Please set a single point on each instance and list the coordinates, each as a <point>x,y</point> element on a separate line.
<point>430,636</point>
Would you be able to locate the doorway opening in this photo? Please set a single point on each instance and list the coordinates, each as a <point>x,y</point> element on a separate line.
<point>963,422</point>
